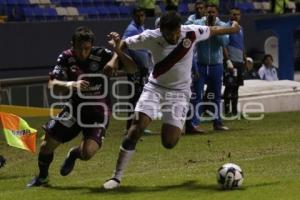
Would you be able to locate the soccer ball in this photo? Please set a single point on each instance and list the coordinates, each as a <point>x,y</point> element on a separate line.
<point>230,176</point>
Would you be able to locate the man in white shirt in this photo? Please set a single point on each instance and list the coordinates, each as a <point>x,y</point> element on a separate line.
<point>268,71</point>
<point>168,89</point>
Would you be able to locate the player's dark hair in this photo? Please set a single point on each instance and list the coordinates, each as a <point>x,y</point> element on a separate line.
<point>171,20</point>
<point>136,10</point>
<point>235,8</point>
<point>199,2</point>
<point>267,56</point>
<point>83,34</point>
<point>212,5</point>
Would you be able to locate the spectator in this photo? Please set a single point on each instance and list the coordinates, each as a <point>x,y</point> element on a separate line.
<point>171,5</point>
<point>250,72</point>
<point>234,55</point>
<point>210,62</point>
<point>268,71</point>
<point>141,57</point>
<point>148,6</point>
<point>278,6</point>
<point>199,12</point>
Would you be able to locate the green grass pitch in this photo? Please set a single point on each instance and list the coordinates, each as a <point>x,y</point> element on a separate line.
<point>267,150</point>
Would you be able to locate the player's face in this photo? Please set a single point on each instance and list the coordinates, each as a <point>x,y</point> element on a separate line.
<point>139,18</point>
<point>213,12</point>
<point>82,50</point>
<point>171,37</point>
<point>268,61</point>
<point>200,9</point>
<point>235,15</point>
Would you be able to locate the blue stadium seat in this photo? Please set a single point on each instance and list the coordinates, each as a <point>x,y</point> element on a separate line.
<point>29,13</point>
<point>246,7</point>
<point>50,14</point>
<point>66,2</point>
<point>113,11</point>
<point>90,12</point>
<point>125,11</point>
<point>103,12</point>
<point>183,8</point>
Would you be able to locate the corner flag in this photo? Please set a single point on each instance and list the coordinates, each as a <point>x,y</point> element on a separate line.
<point>17,132</point>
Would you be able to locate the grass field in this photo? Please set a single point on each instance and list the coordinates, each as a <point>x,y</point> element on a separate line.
<point>267,150</point>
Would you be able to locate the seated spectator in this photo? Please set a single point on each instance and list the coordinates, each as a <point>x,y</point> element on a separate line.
<point>250,72</point>
<point>268,71</point>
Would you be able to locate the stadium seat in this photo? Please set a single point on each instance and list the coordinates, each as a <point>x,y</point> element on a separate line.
<point>66,2</point>
<point>114,11</point>
<point>62,12</point>
<point>90,12</point>
<point>183,8</point>
<point>45,2</point>
<point>103,12</point>
<point>51,14</point>
<point>125,11</point>
<point>73,13</point>
<point>29,13</point>
<point>246,6</point>
<point>34,2</point>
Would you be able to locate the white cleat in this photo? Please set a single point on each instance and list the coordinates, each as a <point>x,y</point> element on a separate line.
<point>111,184</point>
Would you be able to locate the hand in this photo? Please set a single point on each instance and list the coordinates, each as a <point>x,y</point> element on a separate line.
<point>236,27</point>
<point>114,40</point>
<point>81,84</point>
<point>109,70</point>
<point>229,64</point>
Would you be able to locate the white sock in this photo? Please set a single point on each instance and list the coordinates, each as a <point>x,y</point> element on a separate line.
<point>122,162</point>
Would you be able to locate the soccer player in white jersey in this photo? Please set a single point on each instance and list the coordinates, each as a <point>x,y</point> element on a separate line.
<point>168,89</point>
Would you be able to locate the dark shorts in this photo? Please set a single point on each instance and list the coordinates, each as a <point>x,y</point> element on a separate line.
<point>64,130</point>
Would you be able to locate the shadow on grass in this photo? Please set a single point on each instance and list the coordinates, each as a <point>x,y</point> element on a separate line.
<point>188,185</point>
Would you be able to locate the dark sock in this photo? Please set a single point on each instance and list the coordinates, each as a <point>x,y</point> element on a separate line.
<point>75,153</point>
<point>44,161</point>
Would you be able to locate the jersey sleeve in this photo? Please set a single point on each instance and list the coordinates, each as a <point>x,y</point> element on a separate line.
<point>60,70</point>
<point>202,32</point>
<point>141,41</point>
<point>105,55</point>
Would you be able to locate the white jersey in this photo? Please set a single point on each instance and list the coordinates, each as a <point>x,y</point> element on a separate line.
<point>172,63</point>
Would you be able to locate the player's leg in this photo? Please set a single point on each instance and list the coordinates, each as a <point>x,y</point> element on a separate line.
<point>215,83</point>
<point>170,135</point>
<point>90,144</point>
<point>174,111</point>
<point>45,158</point>
<point>235,99</point>
<point>127,148</point>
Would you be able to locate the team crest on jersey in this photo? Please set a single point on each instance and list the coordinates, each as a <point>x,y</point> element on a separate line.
<point>201,31</point>
<point>71,59</point>
<point>94,66</point>
<point>186,43</point>
<point>96,58</point>
<point>73,68</point>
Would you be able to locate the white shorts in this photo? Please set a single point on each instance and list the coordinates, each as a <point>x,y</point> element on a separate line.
<point>173,104</point>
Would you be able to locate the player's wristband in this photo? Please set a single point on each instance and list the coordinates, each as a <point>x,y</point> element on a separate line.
<point>229,64</point>
<point>69,84</point>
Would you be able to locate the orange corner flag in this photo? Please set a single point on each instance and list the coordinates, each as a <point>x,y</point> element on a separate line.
<point>17,132</point>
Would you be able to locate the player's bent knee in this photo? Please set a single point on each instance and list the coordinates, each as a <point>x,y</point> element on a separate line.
<point>168,144</point>
<point>87,154</point>
<point>129,143</point>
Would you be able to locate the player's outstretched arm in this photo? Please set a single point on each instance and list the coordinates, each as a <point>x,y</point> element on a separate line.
<point>217,30</point>
<point>119,46</point>
<point>59,86</point>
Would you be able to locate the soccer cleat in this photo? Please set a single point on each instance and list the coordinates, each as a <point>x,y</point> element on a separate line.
<point>68,164</point>
<point>111,184</point>
<point>221,128</point>
<point>37,181</point>
<point>193,130</point>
